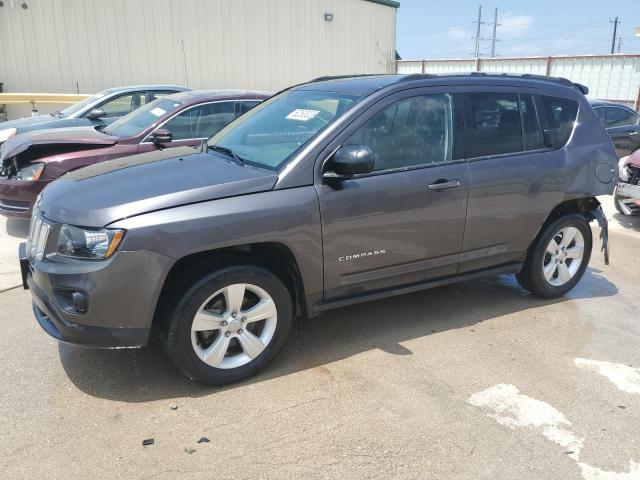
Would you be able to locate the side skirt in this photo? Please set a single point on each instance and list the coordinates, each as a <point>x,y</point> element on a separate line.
<point>392,292</point>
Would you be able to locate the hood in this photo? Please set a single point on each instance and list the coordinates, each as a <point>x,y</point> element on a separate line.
<point>103,193</point>
<point>28,121</point>
<point>81,137</point>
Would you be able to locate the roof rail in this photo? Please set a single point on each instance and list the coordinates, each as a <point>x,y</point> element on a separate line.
<point>338,77</point>
<point>557,80</point>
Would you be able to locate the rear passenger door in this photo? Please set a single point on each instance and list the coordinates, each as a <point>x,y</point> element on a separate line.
<point>404,222</point>
<point>514,180</point>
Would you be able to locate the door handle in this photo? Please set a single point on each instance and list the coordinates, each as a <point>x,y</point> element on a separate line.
<point>444,184</point>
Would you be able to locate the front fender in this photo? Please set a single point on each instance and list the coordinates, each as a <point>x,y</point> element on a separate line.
<point>290,217</point>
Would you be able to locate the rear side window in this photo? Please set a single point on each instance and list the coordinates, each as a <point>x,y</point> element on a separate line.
<point>620,117</point>
<point>561,115</point>
<point>494,124</point>
<point>411,132</point>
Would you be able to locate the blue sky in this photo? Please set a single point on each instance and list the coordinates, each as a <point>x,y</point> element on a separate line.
<point>444,29</point>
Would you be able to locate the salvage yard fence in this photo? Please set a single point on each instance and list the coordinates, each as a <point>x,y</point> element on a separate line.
<point>609,77</point>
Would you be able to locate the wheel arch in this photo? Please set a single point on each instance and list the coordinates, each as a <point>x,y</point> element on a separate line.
<point>582,206</point>
<point>275,257</point>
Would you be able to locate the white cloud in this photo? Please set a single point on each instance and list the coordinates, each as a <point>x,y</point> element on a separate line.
<point>514,26</point>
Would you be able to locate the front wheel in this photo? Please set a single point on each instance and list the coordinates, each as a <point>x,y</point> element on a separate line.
<point>229,324</point>
<point>559,257</point>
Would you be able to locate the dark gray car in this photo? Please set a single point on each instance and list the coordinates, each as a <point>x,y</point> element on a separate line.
<point>327,194</point>
<point>622,124</point>
<point>101,108</point>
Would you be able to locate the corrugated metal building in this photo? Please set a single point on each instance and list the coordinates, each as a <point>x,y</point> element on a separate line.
<point>609,77</point>
<point>69,46</point>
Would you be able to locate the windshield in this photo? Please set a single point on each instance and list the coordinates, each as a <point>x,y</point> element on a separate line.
<point>81,105</point>
<point>135,122</point>
<point>269,134</point>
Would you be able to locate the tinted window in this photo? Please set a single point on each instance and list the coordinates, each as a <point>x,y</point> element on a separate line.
<point>140,119</point>
<point>201,121</point>
<point>495,126</point>
<point>271,132</point>
<point>246,106</point>
<point>415,131</point>
<point>124,104</point>
<point>530,125</point>
<point>561,115</point>
<point>600,113</point>
<point>619,117</point>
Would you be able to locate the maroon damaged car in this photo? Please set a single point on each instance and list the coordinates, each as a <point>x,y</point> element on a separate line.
<point>32,160</point>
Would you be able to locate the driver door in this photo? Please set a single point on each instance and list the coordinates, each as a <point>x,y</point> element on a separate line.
<point>404,222</point>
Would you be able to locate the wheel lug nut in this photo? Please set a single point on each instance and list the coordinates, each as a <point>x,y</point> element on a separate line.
<point>243,319</point>
<point>234,314</point>
<point>225,323</point>
<point>227,334</point>
<point>240,332</point>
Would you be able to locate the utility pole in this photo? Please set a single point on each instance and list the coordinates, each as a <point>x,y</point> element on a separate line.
<point>615,32</point>
<point>493,38</point>
<point>477,54</point>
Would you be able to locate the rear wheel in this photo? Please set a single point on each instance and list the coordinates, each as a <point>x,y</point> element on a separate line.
<point>229,324</point>
<point>559,258</point>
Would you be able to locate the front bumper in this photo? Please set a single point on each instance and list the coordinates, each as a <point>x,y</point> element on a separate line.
<point>628,198</point>
<point>17,196</point>
<point>120,296</point>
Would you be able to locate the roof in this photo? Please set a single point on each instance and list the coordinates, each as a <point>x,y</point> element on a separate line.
<point>128,88</point>
<point>199,96</point>
<point>388,3</point>
<point>362,85</point>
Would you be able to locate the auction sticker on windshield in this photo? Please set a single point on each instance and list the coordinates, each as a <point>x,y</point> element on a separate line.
<point>302,114</point>
<point>158,111</point>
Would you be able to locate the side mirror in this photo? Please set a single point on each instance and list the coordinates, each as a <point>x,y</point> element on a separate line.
<point>161,136</point>
<point>96,114</point>
<point>348,161</point>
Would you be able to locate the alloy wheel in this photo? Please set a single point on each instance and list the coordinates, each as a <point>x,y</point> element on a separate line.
<point>563,256</point>
<point>234,325</point>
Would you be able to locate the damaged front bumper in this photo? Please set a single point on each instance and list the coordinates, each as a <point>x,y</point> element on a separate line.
<point>628,198</point>
<point>18,196</point>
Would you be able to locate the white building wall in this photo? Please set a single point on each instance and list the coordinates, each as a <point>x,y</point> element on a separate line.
<point>68,46</point>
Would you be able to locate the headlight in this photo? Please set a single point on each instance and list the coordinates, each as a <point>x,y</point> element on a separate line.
<point>623,171</point>
<point>7,133</point>
<point>30,172</point>
<point>88,243</point>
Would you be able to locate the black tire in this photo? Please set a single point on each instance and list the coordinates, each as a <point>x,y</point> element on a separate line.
<point>178,337</point>
<point>532,278</point>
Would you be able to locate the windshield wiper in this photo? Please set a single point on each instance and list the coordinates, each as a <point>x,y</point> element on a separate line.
<point>228,152</point>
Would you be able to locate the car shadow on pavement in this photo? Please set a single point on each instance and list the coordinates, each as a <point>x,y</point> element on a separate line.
<point>147,374</point>
<point>18,227</point>
<point>628,221</point>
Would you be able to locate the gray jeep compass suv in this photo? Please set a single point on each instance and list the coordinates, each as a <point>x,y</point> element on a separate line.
<point>337,191</point>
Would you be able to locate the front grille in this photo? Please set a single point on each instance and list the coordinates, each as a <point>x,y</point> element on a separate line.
<point>38,235</point>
